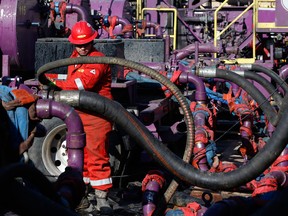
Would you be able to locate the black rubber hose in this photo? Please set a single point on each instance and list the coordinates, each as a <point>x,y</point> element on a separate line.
<point>261,69</point>
<point>265,84</point>
<point>190,140</point>
<point>114,111</point>
<point>264,104</point>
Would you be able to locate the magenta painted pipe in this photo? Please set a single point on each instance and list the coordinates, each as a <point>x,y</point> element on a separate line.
<point>200,94</point>
<point>151,185</point>
<point>149,208</point>
<point>125,22</point>
<point>199,149</point>
<point>71,8</point>
<point>75,136</point>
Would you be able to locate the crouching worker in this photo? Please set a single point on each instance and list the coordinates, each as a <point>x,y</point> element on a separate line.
<point>18,123</point>
<point>95,78</point>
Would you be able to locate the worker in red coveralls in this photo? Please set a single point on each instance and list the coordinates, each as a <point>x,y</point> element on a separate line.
<point>95,78</point>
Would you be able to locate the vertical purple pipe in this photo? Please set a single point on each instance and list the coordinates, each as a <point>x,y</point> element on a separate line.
<point>150,207</point>
<point>75,136</point>
<point>247,124</point>
<point>199,150</point>
<point>151,185</point>
<point>167,47</point>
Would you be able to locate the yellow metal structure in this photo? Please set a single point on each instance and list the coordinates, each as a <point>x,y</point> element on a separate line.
<point>217,34</point>
<point>168,11</point>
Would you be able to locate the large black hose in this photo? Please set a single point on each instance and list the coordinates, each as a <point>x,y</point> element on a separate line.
<point>261,69</point>
<point>264,104</point>
<point>148,71</point>
<point>114,111</point>
<point>266,84</point>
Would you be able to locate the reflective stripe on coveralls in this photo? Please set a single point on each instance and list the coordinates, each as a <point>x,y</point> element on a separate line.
<point>79,84</point>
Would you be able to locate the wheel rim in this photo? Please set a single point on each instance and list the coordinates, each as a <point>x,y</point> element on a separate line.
<point>54,151</point>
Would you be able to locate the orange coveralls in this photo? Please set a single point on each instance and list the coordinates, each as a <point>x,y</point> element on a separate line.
<point>94,78</point>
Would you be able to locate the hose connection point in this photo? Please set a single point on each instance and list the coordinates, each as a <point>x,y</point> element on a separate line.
<point>246,66</point>
<point>68,97</point>
<point>208,72</point>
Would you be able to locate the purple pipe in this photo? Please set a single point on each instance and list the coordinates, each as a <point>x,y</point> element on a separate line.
<point>247,124</point>
<point>200,121</point>
<point>125,22</point>
<point>151,185</point>
<point>270,129</point>
<point>159,66</point>
<point>200,95</point>
<point>75,136</point>
<point>71,8</point>
<point>202,48</point>
<point>157,29</point>
<point>150,207</point>
<point>167,47</point>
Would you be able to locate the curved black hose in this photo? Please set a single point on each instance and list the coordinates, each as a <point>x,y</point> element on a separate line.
<point>266,84</point>
<point>261,69</point>
<point>269,111</point>
<point>185,171</point>
<point>146,70</point>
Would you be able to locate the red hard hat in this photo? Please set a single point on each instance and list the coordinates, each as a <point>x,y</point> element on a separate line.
<point>82,33</point>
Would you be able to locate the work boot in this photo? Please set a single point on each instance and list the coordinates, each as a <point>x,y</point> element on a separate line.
<point>85,203</point>
<point>102,202</point>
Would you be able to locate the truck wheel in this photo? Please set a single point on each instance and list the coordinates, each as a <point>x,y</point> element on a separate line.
<point>48,153</point>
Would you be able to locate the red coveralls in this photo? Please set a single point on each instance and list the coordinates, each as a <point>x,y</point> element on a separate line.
<point>94,78</point>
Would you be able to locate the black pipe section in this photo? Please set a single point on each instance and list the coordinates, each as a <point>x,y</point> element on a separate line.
<point>268,110</point>
<point>114,111</point>
<point>261,69</point>
<point>188,118</point>
<point>274,76</point>
<point>238,2</point>
<point>266,84</point>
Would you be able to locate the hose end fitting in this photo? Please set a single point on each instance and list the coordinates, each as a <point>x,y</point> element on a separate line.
<point>208,72</point>
<point>246,66</point>
<point>68,97</point>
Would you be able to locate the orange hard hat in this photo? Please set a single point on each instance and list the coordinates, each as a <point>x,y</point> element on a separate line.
<point>82,33</point>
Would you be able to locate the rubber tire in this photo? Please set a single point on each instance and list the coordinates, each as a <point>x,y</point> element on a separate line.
<point>48,153</point>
